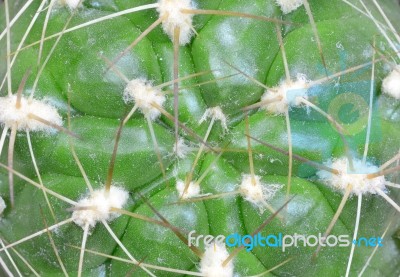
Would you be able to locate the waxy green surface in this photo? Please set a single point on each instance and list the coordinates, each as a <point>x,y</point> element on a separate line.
<point>77,70</point>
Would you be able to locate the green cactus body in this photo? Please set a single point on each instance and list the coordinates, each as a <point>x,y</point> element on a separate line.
<point>233,61</point>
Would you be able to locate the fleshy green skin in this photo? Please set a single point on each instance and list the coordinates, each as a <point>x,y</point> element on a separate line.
<point>76,69</point>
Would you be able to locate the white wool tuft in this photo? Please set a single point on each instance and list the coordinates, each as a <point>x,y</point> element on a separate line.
<point>288,93</point>
<point>144,95</point>
<point>97,206</point>
<point>10,115</point>
<point>358,178</point>
<point>287,6</point>
<point>211,263</point>
<point>2,205</point>
<point>217,114</point>
<point>192,191</point>
<point>171,10</point>
<point>391,84</point>
<point>181,149</point>
<point>72,4</point>
<point>257,193</point>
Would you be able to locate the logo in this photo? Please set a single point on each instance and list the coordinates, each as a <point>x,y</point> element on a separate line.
<point>249,242</point>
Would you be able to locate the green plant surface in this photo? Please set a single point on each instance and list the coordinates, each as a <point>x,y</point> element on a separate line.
<point>234,59</point>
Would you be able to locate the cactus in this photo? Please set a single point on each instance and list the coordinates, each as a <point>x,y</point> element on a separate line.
<point>135,134</point>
